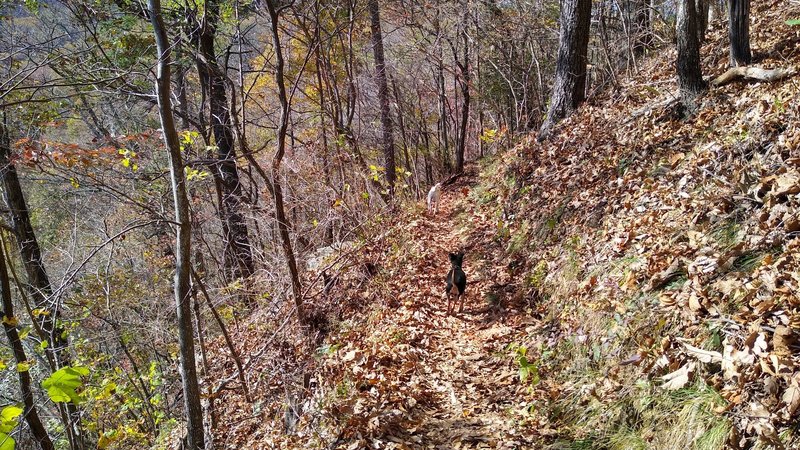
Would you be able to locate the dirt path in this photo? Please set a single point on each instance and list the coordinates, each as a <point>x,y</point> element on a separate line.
<point>478,401</point>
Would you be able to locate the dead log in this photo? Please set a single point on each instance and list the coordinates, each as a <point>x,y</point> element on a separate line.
<point>753,73</point>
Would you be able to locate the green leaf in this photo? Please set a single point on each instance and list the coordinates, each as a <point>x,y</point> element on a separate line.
<point>523,374</point>
<point>23,367</point>
<point>62,384</point>
<point>33,7</point>
<point>793,22</point>
<point>24,332</point>
<point>8,418</point>
<point>6,442</point>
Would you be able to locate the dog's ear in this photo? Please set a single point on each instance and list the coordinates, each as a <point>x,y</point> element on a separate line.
<point>452,256</point>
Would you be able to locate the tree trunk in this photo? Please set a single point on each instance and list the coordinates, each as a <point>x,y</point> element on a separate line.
<point>570,82</point>
<point>464,84</point>
<point>280,212</point>
<point>30,412</point>
<point>442,93</point>
<point>238,257</point>
<point>39,287</point>
<point>702,8</point>
<point>326,169</point>
<point>191,389</point>
<point>690,77</point>
<point>383,94</point>
<point>739,31</point>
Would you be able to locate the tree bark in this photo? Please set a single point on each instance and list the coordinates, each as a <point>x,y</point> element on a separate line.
<point>383,94</point>
<point>464,84</point>
<point>690,76</point>
<point>188,366</point>
<point>30,412</point>
<point>702,8</point>
<point>442,94</point>
<point>570,82</point>
<point>238,257</point>
<point>739,32</point>
<point>280,211</point>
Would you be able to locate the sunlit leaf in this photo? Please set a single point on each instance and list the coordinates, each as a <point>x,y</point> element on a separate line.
<point>8,418</point>
<point>62,384</point>
<point>6,442</point>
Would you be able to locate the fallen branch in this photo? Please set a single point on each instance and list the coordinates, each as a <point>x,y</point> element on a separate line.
<point>753,73</point>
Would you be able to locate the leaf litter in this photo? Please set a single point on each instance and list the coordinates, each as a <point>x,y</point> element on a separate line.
<point>634,249</point>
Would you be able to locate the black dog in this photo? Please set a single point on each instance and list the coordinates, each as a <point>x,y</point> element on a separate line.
<point>456,278</point>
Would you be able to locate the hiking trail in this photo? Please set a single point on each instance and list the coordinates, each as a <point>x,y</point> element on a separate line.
<point>477,399</point>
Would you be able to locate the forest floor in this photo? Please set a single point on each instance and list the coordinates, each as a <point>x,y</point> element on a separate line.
<point>396,370</point>
<point>472,399</point>
<point>632,284</point>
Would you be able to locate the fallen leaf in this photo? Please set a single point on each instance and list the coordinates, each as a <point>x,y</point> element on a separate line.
<point>705,356</point>
<point>679,378</point>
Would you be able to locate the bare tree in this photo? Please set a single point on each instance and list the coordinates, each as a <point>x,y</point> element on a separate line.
<point>383,94</point>
<point>238,258</point>
<point>739,31</point>
<point>30,412</point>
<point>39,287</point>
<point>570,83</point>
<point>191,389</point>
<point>642,32</point>
<point>703,7</point>
<point>277,191</point>
<point>690,76</point>
<point>463,78</point>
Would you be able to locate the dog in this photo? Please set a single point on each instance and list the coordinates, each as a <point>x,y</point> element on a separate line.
<point>433,198</point>
<point>456,281</point>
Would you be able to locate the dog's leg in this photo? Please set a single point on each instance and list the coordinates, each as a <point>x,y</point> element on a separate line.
<point>461,302</point>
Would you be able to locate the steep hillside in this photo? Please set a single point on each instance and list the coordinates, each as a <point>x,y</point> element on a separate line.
<point>671,255</point>
<point>633,283</point>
